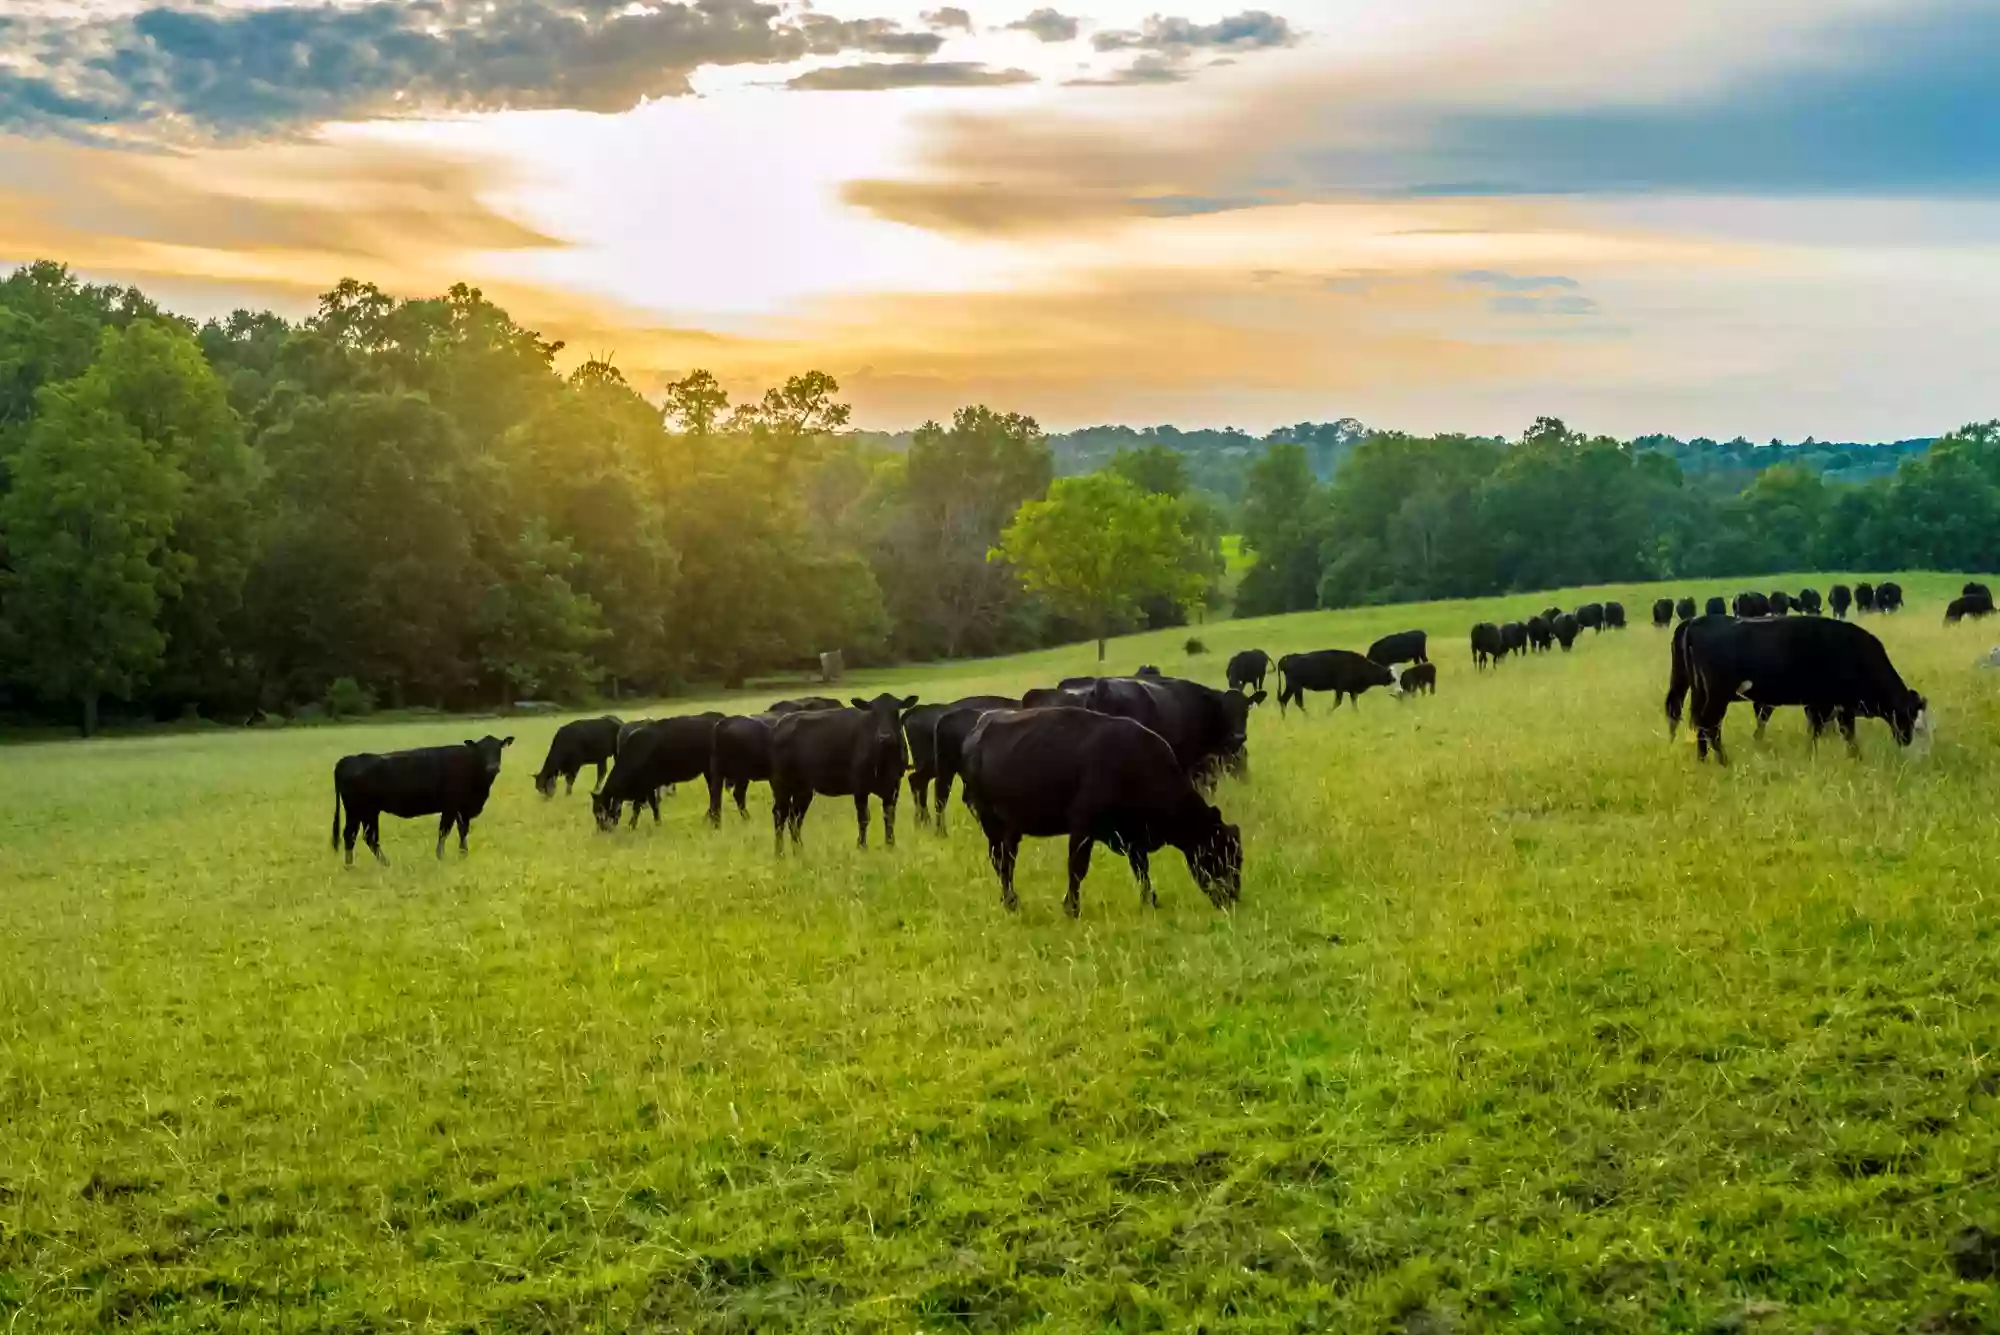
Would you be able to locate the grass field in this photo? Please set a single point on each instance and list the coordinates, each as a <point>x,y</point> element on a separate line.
<point>1525,1022</point>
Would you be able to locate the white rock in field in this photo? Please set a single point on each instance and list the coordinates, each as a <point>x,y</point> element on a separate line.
<point>1991,660</point>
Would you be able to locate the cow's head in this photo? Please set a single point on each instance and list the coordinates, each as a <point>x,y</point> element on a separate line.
<point>1910,720</point>
<point>885,715</point>
<point>488,749</point>
<point>1236,709</point>
<point>1215,857</point>
<point>605,810</point>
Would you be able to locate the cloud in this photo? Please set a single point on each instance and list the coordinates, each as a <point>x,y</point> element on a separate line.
<point>1507,282</point>
<point>1251,30</point>
<point>1151,68</point>
<point>874,76</point>
<point>948,19</point>
<point>214,72</point>
<point>1046,25</point>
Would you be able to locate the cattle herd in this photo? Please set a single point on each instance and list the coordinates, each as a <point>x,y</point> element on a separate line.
<point>1130,762</point>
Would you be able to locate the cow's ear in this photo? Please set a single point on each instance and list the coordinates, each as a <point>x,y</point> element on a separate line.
<point>1258,698</point>
<point>506,742</point>
<point>858,702</point>
<point>474,745</point>
<point>909,702</point>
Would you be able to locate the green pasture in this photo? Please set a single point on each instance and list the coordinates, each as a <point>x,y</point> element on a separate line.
<point>1525,1022</point>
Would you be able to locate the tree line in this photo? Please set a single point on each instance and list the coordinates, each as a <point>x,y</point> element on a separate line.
<point>1411,518</point>
<point>404,502</point>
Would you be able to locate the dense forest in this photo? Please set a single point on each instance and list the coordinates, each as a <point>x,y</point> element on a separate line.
<point>408,503</point>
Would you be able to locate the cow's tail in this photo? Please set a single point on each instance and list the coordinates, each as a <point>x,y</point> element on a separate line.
<point>1677,679</point>
<point>336,811</point>
<point>1284,691</point>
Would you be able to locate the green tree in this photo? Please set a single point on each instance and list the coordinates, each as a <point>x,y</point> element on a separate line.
<point>1097,547</point>
<point>1284,523</point>
<point>536,631</point>
<point>1155,468</point>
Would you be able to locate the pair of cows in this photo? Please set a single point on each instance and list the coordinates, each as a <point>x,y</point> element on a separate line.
<point>1835,670</point>
<point>1975,600</point>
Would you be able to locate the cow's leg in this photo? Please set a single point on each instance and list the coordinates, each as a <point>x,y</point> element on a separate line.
<point>444,828</point>
<point>354,823</point>
<point>464,828</point>
<point>889,816</point>
<point>1815,725</point>
<point>861,818</point>
<point>600,777</point>
<point>1004,848</point>
<point>921,796</point>
<point>943,791</point>
<point>639,805</point>
<point>1143,870</point>
<point>801,804</point>
<point>375,838</point>
<point>741,791</point>
<point>780,807</point>
<point>569,782</point>
<point>1846,717</point>
<point>655,801</point>
<point>715,786</point>
<point>1079,867</point>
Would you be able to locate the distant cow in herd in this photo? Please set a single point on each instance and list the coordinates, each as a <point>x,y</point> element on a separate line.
<point>1487,648</point>
<point>1419,679</point>
<point>1590,616</point>
<point>1834,669</point>
<point>1614,616</point>
<point>1246,671</point>
<point>449,782</point>
<point>585,741</point>
<point>1663,612</point>
<point>1565,629</point>
<point>1839,598</point>
<point>1342,671</point>
<point>658,755</point>
<point>1684,610</point>
<point>1541,635</point>
<point>857,752</point>
<point>1403,647</point>
<point>1975,600</point>
<point>920,731</point>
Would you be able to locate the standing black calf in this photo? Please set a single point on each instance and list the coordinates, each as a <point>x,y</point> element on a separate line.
<point>842,753</point>
<point>449,782</point>
<point>584,741</point>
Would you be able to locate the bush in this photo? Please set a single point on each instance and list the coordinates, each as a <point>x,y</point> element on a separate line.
<point>1195,648</point>
<point>349,697</point>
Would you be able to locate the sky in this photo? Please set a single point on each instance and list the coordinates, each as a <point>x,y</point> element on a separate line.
<point>1778,220</point>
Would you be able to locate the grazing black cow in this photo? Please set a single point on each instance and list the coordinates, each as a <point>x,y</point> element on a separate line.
<point>1549,614</point>
<point>1248,669</point>
<point>1046,773</point>
<point>1840,598</point>
<point>1614,616</point>
<point>1808,601</point>
<point>584,741</point>
<point>1341,671</point>
<point>1405,646</point>
<point>739,755</point>
<point>1835,669</point>
<point>1419,677</point>
<point>855,753</point>
<point>1780,603</point>
<point>1889,597</point>
<point>1591,616</point>
<point>805,704</point>
<point>1486,648</point>
<point>1976,589</point>
<point>1513,638</point>
<point>1207,729</point>
<point>449,782</point>
<point>1864,597</point>
<point>1684,609</point>
<point>665,752</point>
<point>1751,604</point>
<point>1716,607</point>
<point>920,730</point>
<point>953,727</point>
<point>1566,630</point>
<point>1541,634</point>
<point>1966,605</point>
<point>1663,612</point>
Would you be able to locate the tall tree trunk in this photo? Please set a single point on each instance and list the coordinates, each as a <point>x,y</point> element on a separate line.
<point>1100,648</point>
<point>90,713</point>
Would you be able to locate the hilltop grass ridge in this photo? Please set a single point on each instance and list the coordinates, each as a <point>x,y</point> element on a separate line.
<point>1525,1021</point>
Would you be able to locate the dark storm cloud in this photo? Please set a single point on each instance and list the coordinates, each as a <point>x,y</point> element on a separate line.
<point>234,73</point>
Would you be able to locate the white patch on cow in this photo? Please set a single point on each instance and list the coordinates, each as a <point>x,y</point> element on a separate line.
<point>1395,678</point>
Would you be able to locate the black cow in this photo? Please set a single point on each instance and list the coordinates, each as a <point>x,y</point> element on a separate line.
<point>1541,634</point>
<point>953,727</point>
<point>585,741</point>
<point>1591,616</point>
<point>1248,669</point>
<point>1046,773</point>
<point>1549,614</point>
<point>1864,597</point>
<point>1207,729</point>
<point>1808,601</point>
<point>1751,604</point>
<point>1149,670</point>
<point>1614,616</point>
<point>1047,697</point>
<point>1405,646</point>
<point>1684,609</point>
<point>1889,597</point>
<point>1566,630</point>
<point>1486,648</point>
<point>1976,589</point>
<point>920,730</point>
<point>1966,605</point>
<point>1341,671</point>
<point>663,753</point>
<point>625,730</point>
<point>1419,677</point>
<point>805,704</point>
<point>1716,607</point>
<point>1780,602</point>
<point>449,782</point>
<point>1513,638</point>
<point>1663,612</point>
<point>855,753</point>
<point>1835,669</point>
<point>739,755</point>
<point>1840,598</point>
